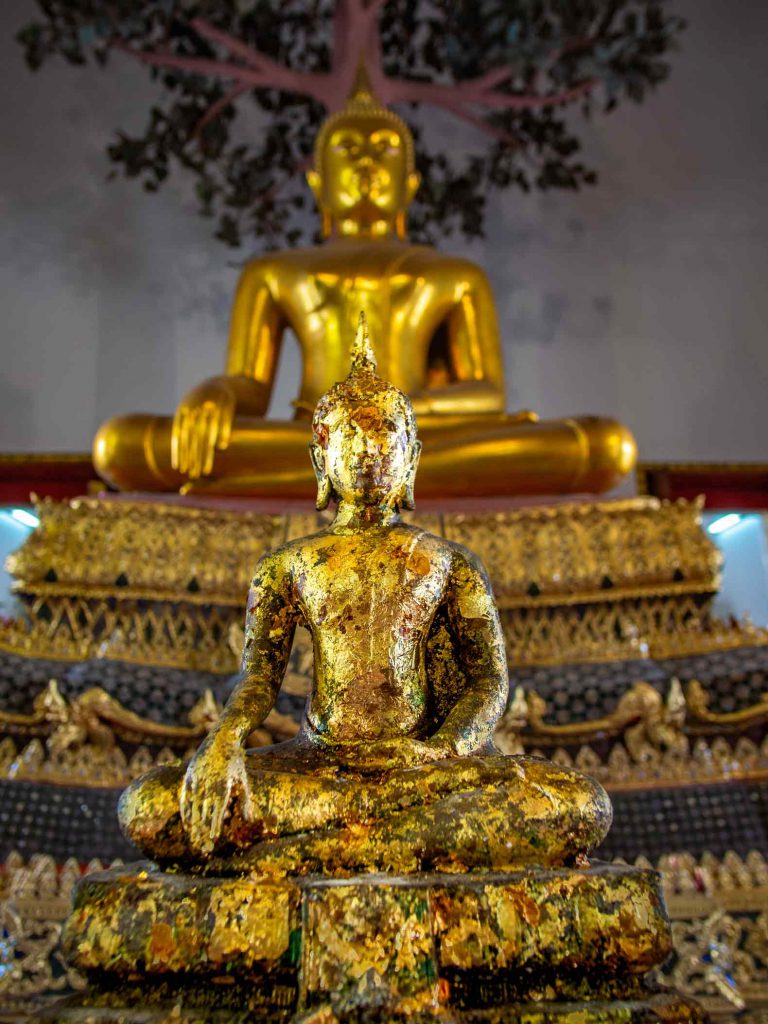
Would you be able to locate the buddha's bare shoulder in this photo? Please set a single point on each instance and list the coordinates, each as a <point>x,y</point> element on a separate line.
<point>425,260</point>
<point>414,544</point>
<point>461,562</point>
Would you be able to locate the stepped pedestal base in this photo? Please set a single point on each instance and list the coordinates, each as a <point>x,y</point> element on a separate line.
<point>134,1008</point>
<point>540,945</point>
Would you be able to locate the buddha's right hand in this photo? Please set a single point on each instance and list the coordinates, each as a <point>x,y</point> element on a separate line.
<point>215,775</point>
<point>204,420</point>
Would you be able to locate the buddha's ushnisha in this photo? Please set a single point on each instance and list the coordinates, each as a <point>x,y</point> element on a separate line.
<point>394,766</point>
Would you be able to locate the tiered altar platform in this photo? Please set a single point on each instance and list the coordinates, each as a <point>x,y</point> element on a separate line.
<point>129,633</point>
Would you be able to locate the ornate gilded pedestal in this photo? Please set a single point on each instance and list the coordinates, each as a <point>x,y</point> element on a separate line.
<point>533,946</point>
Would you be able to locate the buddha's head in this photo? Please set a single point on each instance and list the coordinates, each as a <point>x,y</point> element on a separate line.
<point>364,176</point>
<point>364,448</point>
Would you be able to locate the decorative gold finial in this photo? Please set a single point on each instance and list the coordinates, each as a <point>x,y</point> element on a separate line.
<point>362,90</point>
<point>363,357</point>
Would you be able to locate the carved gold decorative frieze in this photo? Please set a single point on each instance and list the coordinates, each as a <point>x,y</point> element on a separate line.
<point>654,739</point>
<point>165,584</point>
<point>90,547</point>
<point>575,552</point>
<point>571,552</point>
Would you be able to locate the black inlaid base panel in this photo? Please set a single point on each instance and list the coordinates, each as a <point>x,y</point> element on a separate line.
<point>62,821</point>
<point>715,818</point>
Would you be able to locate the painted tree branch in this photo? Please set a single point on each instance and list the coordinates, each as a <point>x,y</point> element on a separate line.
<point>507,69</point>
<point>356,22</point>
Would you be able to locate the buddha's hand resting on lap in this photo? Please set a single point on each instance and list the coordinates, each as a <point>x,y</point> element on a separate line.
<point>405,752</point>
<point>204,420</point>
<point>215,775</point>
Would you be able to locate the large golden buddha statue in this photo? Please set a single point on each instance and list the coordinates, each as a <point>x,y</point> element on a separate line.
<point>437,339</point>
<point>394,767</point>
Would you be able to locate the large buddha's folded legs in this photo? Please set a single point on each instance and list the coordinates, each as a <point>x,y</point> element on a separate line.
<point>474,812</point>
<point>133,453</point>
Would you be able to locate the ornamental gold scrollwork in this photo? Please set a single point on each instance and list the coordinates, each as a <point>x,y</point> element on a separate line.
<point>642,717</point>
<point>75,742</point>
<point>698,709</point>
<point>197,637</point>
<point>95,717</point>
<point>570,553</point>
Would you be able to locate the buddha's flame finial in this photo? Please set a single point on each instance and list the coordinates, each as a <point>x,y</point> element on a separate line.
<point>362,90</point>
<point>363,358</point>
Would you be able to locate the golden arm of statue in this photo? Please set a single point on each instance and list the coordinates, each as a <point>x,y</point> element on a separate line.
<point>203,421</point>
<point>474,352</point>
<point>476,628</point>
<point>217,771</point>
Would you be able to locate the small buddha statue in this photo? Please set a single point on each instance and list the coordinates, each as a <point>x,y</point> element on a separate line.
<point>437,339</point>
<point>394,767</point>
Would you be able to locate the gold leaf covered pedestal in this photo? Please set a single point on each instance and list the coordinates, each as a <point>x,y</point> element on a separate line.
<point>537,945</point>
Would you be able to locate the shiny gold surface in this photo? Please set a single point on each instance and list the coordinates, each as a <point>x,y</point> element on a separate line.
<point>437,339</point>
<point>164,583</point>
<point>409,681</point>
<point>608,919</point>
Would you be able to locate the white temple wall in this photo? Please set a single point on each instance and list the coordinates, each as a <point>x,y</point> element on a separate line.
<point>645,297</point>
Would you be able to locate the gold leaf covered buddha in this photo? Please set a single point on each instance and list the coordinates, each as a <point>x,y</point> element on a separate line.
<point>394,767</point>
<point>387,863</point>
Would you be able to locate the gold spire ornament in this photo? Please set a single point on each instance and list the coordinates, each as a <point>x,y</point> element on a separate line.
<point>363,357</point>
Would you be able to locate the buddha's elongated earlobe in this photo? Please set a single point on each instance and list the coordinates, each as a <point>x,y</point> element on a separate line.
<point>323,483</point>
<point>409,500</point>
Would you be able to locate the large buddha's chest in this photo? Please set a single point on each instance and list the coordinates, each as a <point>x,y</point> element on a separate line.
<point>326,308</point>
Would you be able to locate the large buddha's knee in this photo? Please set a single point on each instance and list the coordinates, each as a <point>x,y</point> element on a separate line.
<point>149,812</point>
<point>610,453</point>
<point>133,452</point>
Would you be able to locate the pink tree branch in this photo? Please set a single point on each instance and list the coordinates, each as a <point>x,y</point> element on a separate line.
<point>475,93</point>
<point>356,37</point>
<point>220,106</point>
<point>274,76</point>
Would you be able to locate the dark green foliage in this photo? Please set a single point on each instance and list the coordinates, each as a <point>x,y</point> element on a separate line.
<point>252,184</point>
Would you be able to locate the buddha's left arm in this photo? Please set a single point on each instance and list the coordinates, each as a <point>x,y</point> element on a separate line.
<point>479,644</point>
<point>474,351</point>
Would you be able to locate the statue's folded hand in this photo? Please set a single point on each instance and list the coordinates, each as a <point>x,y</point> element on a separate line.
<point>215,775</point>
<point>204,420</point>
<point>402,752</point>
